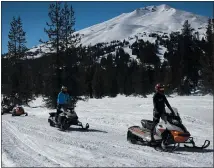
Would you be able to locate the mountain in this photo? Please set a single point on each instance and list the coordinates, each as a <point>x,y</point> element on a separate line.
<point>152,19</point>
<point>140,23</point>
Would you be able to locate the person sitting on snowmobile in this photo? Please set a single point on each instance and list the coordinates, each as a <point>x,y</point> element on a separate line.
<point>159,101</point>
<point>62,101</point>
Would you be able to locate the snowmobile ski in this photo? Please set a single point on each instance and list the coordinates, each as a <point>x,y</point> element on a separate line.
<point>191,141</point>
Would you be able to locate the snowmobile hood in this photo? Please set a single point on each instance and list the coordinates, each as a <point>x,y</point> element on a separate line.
<point>71,115</point>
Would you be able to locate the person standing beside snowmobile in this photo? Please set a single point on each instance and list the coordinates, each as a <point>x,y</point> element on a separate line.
<point>62,100</point>
<point>159,101</point>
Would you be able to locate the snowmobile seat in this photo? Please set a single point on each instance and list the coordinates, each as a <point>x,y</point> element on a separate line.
<point>147,124</point>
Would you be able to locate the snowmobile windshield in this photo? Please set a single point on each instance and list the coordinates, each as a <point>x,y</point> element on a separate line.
<point>172,118</point>
<point>175,120</point>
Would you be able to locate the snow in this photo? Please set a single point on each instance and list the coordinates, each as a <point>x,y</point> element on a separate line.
<point>31,142</point>
<point>161,51</point>
<point>129,51</point>
<point>150,19</point>
<point>138,23</point>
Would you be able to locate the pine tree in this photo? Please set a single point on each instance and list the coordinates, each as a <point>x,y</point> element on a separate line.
<point>208,59</point>
<point>16,51</point>
<point>17,41</point>
<point>186,51</point>
<point>21,39</point>
<point>209,31</point>
<point>59,31</point>
<point>12,44</point>
<point>187,29</point>
<point>69,39</point>
<point>55,35</point>
<point>98,84</point>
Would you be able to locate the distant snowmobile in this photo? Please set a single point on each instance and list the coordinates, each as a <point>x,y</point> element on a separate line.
<point>67,118</point>
<point>18,111</point>
<point>6,109</point>
<point>15,111</point>
<point>168,136</point>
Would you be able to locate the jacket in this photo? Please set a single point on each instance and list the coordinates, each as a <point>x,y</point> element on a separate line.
<point>63,98</point>
<point>159,102</point>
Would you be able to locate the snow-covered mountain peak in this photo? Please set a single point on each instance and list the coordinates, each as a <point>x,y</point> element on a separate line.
<point>164,7</point>
<point>153,8</point>
<point>150,19</point>
<point>140,23</point>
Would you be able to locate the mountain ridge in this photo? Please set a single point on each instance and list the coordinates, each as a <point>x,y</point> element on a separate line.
<point>140,23</point>
<point>150,19</point>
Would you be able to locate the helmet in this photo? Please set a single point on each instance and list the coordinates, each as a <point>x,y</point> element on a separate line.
<point>64,89</point>
<point>159,88</point>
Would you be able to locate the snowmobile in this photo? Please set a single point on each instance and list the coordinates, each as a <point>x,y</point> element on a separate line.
<point>6,108</point>
<point>18,111</point>
<point>14,110</point>
<point>66,118</point>
<point>168,135</point>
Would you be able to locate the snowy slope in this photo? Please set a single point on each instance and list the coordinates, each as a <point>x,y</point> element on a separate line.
<point>152,19</point>
<point>30,141</point>
<point>139,23</point>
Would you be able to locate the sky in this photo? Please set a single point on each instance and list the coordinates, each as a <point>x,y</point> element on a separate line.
<point>34,15</point>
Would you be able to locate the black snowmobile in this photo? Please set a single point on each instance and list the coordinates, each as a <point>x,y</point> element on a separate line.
<point>66,118</point>
<point>6,109</point>
<point>6,106</point>
<point>168,136</point>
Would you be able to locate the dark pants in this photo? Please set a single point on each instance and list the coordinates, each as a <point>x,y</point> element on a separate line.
<point>156,119</point>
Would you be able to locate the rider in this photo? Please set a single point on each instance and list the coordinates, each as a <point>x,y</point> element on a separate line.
<point>159,101</point>
<point>16,100</point>
<point>62,100</point>
<point>5,101</point>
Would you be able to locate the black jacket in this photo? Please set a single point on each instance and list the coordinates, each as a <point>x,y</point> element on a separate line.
<point>159,101</point>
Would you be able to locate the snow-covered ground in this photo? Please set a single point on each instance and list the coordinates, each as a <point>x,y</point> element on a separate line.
<point>30,141</point>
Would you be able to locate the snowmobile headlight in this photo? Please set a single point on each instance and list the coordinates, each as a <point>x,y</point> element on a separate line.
<point>175,133</point>
<point>180,137</point>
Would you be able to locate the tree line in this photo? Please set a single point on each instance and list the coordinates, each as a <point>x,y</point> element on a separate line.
<point>95,71</point>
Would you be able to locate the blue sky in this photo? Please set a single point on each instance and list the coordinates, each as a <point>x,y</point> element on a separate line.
<point>34,15</point>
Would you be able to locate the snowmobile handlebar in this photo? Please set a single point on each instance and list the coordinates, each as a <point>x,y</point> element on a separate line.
<point>65,109</point>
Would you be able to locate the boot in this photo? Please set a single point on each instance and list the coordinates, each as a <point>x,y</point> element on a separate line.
<point>56,118</point>
<point>152,141</point>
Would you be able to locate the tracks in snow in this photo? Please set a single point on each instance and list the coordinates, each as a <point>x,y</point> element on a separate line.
<point>30,141</point>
